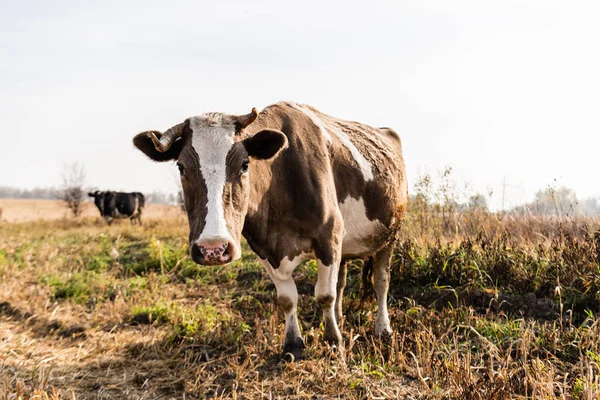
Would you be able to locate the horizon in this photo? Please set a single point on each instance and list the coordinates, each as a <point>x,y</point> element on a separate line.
<point>547,201</point>
<point>500,93</point>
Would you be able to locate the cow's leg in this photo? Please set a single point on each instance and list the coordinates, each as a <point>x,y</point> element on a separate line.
<point>287,297</point>
<point>381,272</point>
<point>138,210</point>
<point>341,285</point>
<point>329,258</point>
<point>366,285</point>
<point>325,292</point>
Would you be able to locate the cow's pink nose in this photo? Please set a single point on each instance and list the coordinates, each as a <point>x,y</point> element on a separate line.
<point>211,253</point>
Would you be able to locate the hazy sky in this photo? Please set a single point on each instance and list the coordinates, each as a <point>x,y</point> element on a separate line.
<point>504,89</point>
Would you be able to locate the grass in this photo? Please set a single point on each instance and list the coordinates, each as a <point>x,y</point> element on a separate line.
<point>500,308</point>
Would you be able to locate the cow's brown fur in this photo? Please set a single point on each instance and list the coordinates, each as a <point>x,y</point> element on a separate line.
<point>289,205</point>
<point>305,195</point>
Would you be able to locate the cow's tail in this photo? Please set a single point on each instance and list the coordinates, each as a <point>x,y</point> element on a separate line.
<point>393,135</point>
<point>366,287</point>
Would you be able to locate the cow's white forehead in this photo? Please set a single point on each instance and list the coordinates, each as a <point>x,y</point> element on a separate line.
<point>213,120</point>
<point>212,137</point>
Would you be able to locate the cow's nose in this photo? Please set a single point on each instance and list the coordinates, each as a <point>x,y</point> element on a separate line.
<point>211,252</point>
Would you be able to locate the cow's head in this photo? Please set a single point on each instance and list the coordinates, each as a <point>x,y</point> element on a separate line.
<point>215,164</point>
<point>98,200</point>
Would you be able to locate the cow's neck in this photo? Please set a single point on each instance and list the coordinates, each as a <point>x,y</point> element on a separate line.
<point>256,225</point>
<point>256,222</point>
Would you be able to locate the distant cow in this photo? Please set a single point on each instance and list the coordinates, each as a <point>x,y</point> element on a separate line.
<point>118,205</point>
<point>298,184</point>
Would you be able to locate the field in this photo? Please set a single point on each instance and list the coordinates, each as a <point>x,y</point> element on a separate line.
<point>483,307</point>
<point>23,210</point>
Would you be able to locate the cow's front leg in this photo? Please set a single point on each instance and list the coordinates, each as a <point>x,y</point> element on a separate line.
<point>325,292</point>
<point>287,297</point>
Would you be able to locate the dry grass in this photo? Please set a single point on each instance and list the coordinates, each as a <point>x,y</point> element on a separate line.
<point>25,210</point>
<point>91,311</point>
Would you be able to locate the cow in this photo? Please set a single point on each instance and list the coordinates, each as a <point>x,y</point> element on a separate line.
<point>118,205</point>
<point>298,184</point>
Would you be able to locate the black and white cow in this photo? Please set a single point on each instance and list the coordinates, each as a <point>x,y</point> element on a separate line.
<point>298,184</point>
<point>119,205</point>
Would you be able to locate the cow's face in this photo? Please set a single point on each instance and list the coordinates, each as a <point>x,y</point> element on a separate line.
<point>215,164</point>
<point>98,200</point>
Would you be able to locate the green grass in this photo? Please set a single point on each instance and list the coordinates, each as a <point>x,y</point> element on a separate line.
<point>157,313</point>
<point>82,287</point>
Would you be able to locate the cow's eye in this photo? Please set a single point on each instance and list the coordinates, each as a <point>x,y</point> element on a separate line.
<point>181,169</point>
<point>245,167</point>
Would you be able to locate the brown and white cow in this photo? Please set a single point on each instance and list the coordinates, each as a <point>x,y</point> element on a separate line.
<point>298,184</point>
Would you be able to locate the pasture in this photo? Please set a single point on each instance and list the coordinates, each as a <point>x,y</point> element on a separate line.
<point>23,210</point>
<point>485,307</point>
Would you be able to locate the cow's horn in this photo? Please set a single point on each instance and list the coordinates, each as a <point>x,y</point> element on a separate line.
<point>166,139</point>
<point>243,121</point>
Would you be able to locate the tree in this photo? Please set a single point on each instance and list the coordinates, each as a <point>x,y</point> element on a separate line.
<point>590,206</point>
<point>72,193</point>
<point>421,201</point>
<point>555,201</point>
<point>181,199</point>
<point>478,202</point>
<point>552,201</point>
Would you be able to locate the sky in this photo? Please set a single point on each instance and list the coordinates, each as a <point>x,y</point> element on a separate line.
<point>507,93</point>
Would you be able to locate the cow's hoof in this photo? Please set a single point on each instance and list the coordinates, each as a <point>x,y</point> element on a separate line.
<point>383,333</point>
<point>338,351</point>
<point>293,351</point>
<point>382,327</point>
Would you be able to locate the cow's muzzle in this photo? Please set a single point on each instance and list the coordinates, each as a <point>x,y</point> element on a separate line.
<point>212,253</point>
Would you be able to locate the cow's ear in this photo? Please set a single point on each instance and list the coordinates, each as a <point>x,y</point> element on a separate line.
<point>91,194</point>
<point>145,144</point>
<point>265,144</point>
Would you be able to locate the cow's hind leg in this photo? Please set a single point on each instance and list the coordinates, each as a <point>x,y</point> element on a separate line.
<point>287,296</point>
<point>381,272</point>
<point>366,284</point>
<point>341,285</point>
